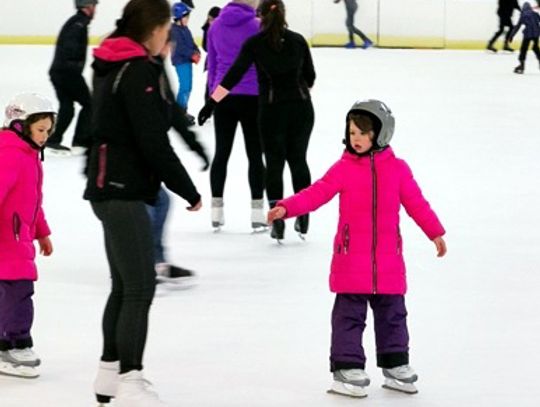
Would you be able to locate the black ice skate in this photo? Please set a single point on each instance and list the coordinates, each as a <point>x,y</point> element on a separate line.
<point>491,48</point>
<point>507,48</point>
<point>278,230</point>
<point>301,225</point>
<point>519,69</point>
<point>167,273</point>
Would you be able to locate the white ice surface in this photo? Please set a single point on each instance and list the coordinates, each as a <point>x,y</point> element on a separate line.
<point>255,329</point>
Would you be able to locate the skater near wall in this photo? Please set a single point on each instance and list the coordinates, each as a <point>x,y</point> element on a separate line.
<point>286,74</point>
<point>129,158</point>
<point>28,123</point>
<point>68,82</point>
<point>367,263</point>
<point>531,20</point>
<point>505,11</point>
<point>236,23</point>
<point>351,7</point>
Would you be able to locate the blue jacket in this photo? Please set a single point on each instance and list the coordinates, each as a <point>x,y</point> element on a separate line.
<point>183,46</point>
<point>531,20</point>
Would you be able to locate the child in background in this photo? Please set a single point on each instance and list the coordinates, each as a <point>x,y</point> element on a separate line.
<point>29,123</point>
<point>184,53</point>
<point>367,264</point>
<point>531,20</point>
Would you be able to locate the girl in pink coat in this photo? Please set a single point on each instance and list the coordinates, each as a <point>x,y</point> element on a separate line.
<point>367,263</point>
<point>29,121</point>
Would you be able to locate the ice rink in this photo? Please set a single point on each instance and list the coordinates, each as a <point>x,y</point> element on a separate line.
<point>254,330</point>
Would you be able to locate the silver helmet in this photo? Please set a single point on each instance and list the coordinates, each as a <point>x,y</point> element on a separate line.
<point>26,104</point>
<point>382,113</point>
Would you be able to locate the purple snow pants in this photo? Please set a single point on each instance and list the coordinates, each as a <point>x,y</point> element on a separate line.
<point>348,323</point>
<point>16,314</point>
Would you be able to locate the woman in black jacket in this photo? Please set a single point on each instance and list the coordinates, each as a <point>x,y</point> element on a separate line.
<point>285,74</point>
<point>504,11</point>
<point>129,158</point>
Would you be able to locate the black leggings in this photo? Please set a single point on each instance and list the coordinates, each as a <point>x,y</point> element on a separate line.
<point>525,47</point>
<point>504,22</point>
<point>286,129</point>
<point>129,247</point>
<point>234,109</point>
<point>351,6</point>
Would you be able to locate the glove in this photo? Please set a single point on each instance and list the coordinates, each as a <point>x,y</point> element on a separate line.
<point>206,111</point>
<point>196,57</point>
<point>199,150</point>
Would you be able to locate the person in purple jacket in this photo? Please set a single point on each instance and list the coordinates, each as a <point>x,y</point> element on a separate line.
<point>237,22</point>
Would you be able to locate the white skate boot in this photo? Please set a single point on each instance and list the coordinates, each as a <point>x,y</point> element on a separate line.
<point>258,218</point>
<point>218,218</point>
<point>24,357</point>
<point>12,369</point>
<point>135,391</point>
<point>400,378</point>
<point>106,382</point>
<point>350,382</point>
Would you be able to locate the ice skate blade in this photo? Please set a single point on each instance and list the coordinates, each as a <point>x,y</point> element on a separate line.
<point>23,372</point>
<point>259,229</point>
<point>396,385</point>
<point>302,236</point>
<point>348,390</point>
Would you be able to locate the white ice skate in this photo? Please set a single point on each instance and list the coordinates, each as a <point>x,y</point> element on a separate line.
<point>258,219</point>
<point>12,369</point>
<point>218,218</point>
<point>400,378</point>
<point>135,391</point>
<point>25,357</point>
<point>57,150</point>
<point>106,382</point>
<point>350,382</point>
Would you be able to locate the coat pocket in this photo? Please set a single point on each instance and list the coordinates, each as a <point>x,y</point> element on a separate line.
<point>345,239</point>
<point>16,226</point>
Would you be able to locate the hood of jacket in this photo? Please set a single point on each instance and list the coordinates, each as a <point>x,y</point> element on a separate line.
<point>236,14</point>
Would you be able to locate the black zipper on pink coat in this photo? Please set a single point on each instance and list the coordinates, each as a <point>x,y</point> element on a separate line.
<point>38,187</point>
<point>374,219</point>
<point>102,166</point>
<point>16,226</point>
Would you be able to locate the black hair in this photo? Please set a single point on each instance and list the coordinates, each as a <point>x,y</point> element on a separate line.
<point>273,22</point>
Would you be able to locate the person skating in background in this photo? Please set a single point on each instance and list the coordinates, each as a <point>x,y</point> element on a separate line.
<point>213,13</point>
<point>236,23</point>
<point>531,20</point>
<point>351,6</point>
<point>29,121</point>
<point>505,11</point>
<point>285,74</point>
<point>184,53</point>
<point>130,156</point>
<point>66,74</point>
<point>367,263</point>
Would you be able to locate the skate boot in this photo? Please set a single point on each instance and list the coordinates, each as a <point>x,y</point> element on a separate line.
<point>350,382</point>
<point>400,378</point>
<point>507,47</point>
<point>135,391</point>
<point>258,219</point>
<point>491,48</point>
<point>278,230</point>
<point>106,382</point>
<point>24,357</point>
<point>16,370</point>
<point>218,218</point>
<point>367,44</point>
<point>520,68</point>
<point>301,225</point>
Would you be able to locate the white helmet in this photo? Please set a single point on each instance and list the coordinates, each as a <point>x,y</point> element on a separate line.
<point>26,104</point>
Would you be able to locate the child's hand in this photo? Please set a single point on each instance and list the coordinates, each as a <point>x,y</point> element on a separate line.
<point>196,57</point>
<point>276,213</point>
<point>45,246</point>
<point>441,246</point>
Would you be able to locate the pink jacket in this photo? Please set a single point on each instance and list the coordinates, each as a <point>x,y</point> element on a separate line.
<point>21,217</point>
<point>368,256</point>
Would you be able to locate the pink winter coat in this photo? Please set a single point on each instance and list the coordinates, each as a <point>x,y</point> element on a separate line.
<point>368,256</point>
<point>21,216</point>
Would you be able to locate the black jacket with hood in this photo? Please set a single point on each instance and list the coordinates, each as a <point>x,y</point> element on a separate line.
<point>130,154</point>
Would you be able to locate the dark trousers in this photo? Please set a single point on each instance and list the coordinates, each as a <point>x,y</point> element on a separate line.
<point>231,111</point>
<point>286,129</point>
<point>351,6</point>
<point>525,47</point>
<point>129,248</point>
<point>504,22</point>
<point>71,88</point>
<point>16,314</point>
<point>158,215</point>
<point>348,323</point>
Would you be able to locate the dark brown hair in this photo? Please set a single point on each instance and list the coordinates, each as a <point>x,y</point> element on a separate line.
<point>273,23</point>
<point>140,18</point>
<point>36,118</point>
<point>362,121</point>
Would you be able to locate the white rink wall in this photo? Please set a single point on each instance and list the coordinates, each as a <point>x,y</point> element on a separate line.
<point>405,23</point>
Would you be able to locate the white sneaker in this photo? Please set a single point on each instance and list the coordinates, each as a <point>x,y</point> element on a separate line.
<point>350,382</point>
<point>218,218</point>
<point>258,218</point>
<point>12,369</point>
<point>106,382</point>
<point>135,391</point>
<point>25,357</point>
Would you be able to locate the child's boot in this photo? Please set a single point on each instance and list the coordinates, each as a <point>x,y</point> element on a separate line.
<point>218,218</point>
<point>135,391</point>
<point>8,368</point>
<point>24,357</point>
<point>106,382</point>
<point>350,382</point>
<point>400,378</point>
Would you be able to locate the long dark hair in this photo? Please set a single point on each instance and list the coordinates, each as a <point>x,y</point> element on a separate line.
<point>140,18</point>
<point>273,23</point>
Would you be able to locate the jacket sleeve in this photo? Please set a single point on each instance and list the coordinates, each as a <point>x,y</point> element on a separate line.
<point>9,171</point>
<point>308,70</point>
<point>211,60</point>
<point>417,206</point>
<point>42,228</point>
<point>140,93</point>
<point>243,62</point>
<point>314,196</point>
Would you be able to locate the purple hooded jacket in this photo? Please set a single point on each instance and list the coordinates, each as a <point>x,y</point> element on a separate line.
<point>235,24</point>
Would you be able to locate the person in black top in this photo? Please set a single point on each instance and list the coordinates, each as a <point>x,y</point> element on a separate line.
<point>504,11</point>
<point>129,157</point>
<point>285,74</point>
<point>67,79</point>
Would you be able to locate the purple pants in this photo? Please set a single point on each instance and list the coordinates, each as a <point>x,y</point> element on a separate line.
<point>348,323</point>
<point>16,314</point>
